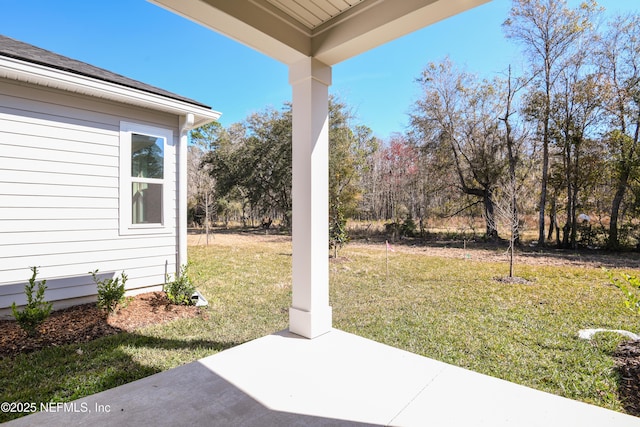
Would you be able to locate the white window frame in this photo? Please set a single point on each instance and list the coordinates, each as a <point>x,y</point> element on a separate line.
<point>168,181</point>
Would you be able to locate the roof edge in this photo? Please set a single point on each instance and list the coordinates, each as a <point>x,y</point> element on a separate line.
<point>42,75</point>
<point>26,52</point>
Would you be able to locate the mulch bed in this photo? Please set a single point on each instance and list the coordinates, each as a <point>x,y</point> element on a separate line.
<point>514,280</point>
<point>86,322</point>
<point>627,357</point>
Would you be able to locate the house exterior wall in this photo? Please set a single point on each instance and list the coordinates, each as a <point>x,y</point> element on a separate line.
<point>59,195</point>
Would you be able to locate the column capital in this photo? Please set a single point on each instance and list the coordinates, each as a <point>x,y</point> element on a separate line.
<point>309,68</point>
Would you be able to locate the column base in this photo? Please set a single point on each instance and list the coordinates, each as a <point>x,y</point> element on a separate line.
<point>310,324</point>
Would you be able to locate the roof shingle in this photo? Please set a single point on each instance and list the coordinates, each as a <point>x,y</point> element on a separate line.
<point>26,52</point>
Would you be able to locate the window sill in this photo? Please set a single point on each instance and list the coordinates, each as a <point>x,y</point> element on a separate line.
<point>146,229</point>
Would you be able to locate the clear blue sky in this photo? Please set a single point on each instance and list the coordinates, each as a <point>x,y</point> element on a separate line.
<point>145,42</point>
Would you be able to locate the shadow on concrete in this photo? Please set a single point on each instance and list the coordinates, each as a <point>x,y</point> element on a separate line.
<point>73,371</point>
<point>188,395</point>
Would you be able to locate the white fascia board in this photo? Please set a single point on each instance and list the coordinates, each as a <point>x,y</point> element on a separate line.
<point>380,23</point>
<point>255,23</point>
<point>15,69</point>
<point>247,23</point>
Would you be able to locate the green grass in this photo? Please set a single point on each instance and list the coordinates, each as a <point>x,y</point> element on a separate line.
<point>452,310</point>
<point>249,292</point>
<point>448,309</point>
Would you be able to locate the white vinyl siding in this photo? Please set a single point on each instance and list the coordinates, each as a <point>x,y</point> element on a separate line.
<point>60,194</point>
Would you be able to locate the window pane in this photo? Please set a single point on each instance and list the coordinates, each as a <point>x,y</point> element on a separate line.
<point>146,203</point>
<point>147,156</point>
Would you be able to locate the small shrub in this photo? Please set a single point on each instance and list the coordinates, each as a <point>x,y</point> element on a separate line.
<point>110,291</point>
<point>408,227</point>
<point>392,229</point>
<point>36,310</point>
<point>338,234</point>
<point>180,289</point>
<point>592,236</point>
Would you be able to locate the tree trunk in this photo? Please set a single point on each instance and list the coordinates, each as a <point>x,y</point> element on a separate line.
<point>491,230</point>
<point>552,219</point>
<point>206,217</point>
<point>545,154</point>
<point>511,249</point>
<point>566,230</point>
<point>515,223</point>
<point>565,235</point>
<point>623,183</point>
<point>615,210</point>
<point>574,219</point>
<point>543,191</point>
<point>574,200</point>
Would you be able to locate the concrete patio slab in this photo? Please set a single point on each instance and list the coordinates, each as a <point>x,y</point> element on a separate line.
<point>337,375</point>
<point>336,379</point>
<point>488,401</point>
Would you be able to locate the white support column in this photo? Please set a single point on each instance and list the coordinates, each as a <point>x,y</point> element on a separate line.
<point>186,123</point>
<point>310,313</point>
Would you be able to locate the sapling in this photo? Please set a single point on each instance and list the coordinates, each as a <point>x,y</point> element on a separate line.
<point>37,309</point>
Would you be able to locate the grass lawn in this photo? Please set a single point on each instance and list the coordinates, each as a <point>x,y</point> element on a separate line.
<point>448,309</point>
<point>454,311</point>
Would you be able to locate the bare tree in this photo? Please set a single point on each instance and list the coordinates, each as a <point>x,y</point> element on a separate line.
<point>505,216</point>
<point>201,184</point>
<point>618,59</point>
<point>548,30</point>
<point>457,117</point>
<point>519,155</point>
<point>575,113</point>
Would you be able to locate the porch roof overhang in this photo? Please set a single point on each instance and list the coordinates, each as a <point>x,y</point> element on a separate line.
<point>330,31</point>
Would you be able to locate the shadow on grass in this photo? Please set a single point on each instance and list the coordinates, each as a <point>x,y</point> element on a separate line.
<point>69,372</point>
<point>580,256</point>
<point>243,231</point>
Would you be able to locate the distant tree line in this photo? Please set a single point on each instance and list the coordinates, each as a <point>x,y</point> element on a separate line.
<point>557,143</point>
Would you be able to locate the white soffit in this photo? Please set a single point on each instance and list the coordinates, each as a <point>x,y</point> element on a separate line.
<point>329,30</point>
<point>314,12</point>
